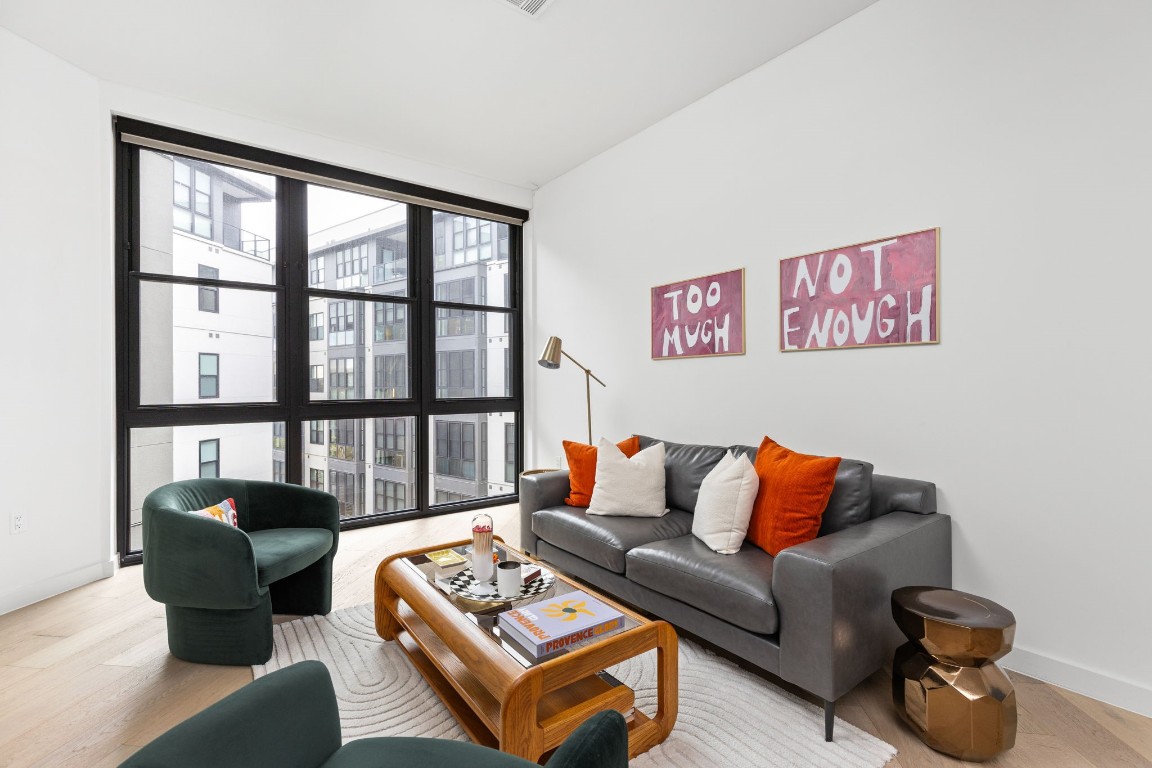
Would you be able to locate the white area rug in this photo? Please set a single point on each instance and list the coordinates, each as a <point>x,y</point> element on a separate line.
<point>727,716</point>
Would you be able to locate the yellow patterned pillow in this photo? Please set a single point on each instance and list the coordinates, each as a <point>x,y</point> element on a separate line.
<point>225,512</point>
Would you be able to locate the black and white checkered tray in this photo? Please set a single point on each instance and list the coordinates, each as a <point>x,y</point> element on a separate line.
<point>466,585</point>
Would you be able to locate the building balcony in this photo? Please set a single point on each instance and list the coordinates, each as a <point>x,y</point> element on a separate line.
<point>393,270</point>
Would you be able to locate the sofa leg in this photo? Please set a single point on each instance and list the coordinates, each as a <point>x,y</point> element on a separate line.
<point>829,719</point>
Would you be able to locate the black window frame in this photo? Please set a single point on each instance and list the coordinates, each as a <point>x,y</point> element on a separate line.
<point>292,291</point>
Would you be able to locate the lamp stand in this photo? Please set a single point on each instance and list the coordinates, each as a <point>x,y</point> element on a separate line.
<point>588,376</point>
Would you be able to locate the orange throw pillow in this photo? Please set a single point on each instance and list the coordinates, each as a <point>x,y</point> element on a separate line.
<point>582,468</point>
<point>794,490</point>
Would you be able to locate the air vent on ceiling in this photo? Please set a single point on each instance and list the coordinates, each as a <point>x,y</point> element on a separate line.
<point>531,7</point>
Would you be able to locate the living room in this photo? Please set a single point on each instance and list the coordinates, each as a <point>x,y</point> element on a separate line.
<point>1018,129</point>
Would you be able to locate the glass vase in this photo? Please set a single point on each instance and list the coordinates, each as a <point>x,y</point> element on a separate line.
<point>482,566</point>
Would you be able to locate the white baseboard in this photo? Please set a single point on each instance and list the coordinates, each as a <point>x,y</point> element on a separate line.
<point>1119,693</point>
<point>41,590</point>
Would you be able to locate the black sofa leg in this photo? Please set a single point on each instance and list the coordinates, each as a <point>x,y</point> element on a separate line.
<point>829,719</point>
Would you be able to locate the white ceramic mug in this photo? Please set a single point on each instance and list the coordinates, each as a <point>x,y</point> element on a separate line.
<point>508,579</point>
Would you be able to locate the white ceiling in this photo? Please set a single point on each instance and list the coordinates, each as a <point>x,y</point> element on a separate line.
<point>474,85</point>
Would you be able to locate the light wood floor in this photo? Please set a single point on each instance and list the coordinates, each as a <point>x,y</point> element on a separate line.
<point>86,678</point>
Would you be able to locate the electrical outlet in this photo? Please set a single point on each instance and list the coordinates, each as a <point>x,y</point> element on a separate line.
<point>17,522</point>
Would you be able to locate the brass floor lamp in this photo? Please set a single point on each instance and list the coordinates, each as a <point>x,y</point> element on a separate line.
<point>550,358</point>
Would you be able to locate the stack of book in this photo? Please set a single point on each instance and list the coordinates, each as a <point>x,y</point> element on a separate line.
<point>548,626</point>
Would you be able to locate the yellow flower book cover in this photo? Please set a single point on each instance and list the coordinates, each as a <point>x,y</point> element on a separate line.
<point>548,626</point>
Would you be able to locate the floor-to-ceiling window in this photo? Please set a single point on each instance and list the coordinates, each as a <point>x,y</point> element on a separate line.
<point>280,319</point>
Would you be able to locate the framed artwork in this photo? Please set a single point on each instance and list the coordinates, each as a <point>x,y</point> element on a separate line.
<point>866,295</point>
<point>700,317</point>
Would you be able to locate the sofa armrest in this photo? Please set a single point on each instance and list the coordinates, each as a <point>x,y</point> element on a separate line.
<point>900,494</point>
<point>539,491</point>
<point>833,596</point>
<point>197,562</point>
<point>283,505</point>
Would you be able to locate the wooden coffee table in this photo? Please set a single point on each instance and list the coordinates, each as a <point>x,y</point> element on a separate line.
<point>504,698</point>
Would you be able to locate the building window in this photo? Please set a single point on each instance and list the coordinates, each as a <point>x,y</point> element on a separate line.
<point>342,379</point>
<point>439,249</point>
<point>316,326</point>
<point>191,199</point>
<point>277,471</point>
<point>391,442</point>
<point>446,497</point>
<point>342,485</point>
<point>456,449</point>
<point>279,442</point>
<point>456,322</point>
<point>316,270</point>
<point>209,295</point>
<point>210,458</point>
<point>316,479</point>
<point>391,260</point>
<point>209,375</point>
<point>471,240</point>
<point>391,322</point>
<point>316,432</point>
<point>456,373</point>
<point>316,378</point>
<point>341,323</point>
<point>351,263</point>
<point>342,439</point>
<point>391,496</point>
<point>509,453</point>
<point>391,377</point>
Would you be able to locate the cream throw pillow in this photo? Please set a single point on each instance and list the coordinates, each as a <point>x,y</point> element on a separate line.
<point>724,505</point>
<point>629,487</point>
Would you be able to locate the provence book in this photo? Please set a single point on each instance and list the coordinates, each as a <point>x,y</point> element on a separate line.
<point>550,625</point>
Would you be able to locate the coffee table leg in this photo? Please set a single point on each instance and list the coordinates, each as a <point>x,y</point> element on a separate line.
<point>386,624</point>
<point>520,731</point>
<point>667,678</point>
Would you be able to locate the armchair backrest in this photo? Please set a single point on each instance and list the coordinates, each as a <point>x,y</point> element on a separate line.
<point>288,719</point>
<point>196,562</point>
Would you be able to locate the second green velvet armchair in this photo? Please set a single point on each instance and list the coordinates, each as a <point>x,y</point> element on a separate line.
<point>220,585</point>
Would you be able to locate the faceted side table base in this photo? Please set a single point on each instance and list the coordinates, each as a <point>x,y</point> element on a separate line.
<point>965,712</point>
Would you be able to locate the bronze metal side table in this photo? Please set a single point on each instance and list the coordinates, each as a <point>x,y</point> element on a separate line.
<point>945,683</point>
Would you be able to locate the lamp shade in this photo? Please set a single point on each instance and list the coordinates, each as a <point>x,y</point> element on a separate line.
<point>550,357</point>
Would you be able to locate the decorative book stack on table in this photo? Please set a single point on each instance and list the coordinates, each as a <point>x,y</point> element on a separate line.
<point>548,626</point>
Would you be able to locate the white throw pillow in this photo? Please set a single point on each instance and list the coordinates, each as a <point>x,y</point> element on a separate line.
<point>629,487</point>
<point>724,505</point>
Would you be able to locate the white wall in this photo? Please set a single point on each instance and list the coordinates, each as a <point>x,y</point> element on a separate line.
<point>56,398</point>
<point>56,156</point>
<point>1021,130</point>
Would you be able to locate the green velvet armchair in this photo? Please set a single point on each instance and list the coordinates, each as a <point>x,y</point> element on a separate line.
<point>289,719</point>
<point>220,585</point>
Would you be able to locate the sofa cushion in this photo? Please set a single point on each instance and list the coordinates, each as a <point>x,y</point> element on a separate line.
<point>724,506</point>
<point>282,552</point>
<point>628,486</point>
<point>582,468</point>
<point>604,541</point>
<point>685,466</point>
<point>794,490</point>
<point>736,588</point>
<point>851,499</point>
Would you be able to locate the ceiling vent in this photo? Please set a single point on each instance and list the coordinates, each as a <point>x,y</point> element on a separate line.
<point>531,7</point>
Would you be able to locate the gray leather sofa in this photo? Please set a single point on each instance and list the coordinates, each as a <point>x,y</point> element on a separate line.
<point>817,615</point>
